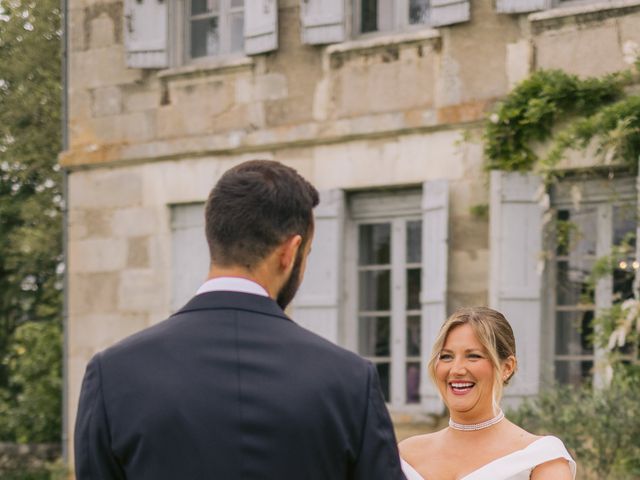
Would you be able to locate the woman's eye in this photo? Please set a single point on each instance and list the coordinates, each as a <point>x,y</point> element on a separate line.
<point>445,356</point>
<point>475,356</point>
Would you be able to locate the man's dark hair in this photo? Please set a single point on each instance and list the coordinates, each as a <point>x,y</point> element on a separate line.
<point>253,208</point>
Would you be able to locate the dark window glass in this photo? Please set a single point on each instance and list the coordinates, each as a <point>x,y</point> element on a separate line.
<point>374,336</point>
<point>413,335</point>
<point>375,290</point>
<point>375,244</point>
<point>369,16</point>
<point>413,382</point>
<point>205,38</point>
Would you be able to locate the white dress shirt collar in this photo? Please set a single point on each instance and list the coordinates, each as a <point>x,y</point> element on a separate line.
<point>232,284</point>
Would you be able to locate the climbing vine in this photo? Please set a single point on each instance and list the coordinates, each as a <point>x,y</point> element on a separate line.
<point>587,108</point>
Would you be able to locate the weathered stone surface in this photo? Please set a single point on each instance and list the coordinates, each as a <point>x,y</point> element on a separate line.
<point>102,31</point>
<point>100,68</point>
<point>107,101</point>
<point>108,188</point>
<point>138,252</point>
<point>519,61</point>
<point>135,222</point>
<point>97,255</point>
<point>586,52</point>
<point>91,292</point>
<point>76,29</point>
<point>141,291</point>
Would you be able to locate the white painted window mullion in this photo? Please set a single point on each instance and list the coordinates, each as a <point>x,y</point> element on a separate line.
<point>604,287</point>
<point>398,296</point>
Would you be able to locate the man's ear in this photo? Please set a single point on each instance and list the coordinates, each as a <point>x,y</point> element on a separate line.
<point>289,251</point>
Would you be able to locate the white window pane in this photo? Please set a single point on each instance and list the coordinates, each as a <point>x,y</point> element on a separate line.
<point>418,10</point>
<point>236,24</point>
<point>199,7</point>
<point>205,39</point>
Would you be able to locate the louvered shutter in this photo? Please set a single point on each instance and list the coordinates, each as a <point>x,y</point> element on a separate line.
<point>435,254</point>
<point>322,21</point>
<point>146,33</point>
<point>520,6</point>
<point>449,12</point>
<point>260,26</point>
<point>317,303</point>
<point>515,274</point>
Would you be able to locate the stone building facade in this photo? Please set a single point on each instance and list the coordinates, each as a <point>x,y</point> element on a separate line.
<point>380,104</point>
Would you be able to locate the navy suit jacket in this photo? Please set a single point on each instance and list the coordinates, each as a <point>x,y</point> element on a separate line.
<point>230,388</point>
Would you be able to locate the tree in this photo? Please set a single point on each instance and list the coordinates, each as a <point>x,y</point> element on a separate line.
<point>30,217</point>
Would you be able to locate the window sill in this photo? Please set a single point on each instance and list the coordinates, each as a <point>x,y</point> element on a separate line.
<point>213,65</point>
<point>607,9</point>
<point>382,41</point>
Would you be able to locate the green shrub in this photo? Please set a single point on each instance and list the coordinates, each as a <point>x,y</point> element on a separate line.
<point>601,426</point>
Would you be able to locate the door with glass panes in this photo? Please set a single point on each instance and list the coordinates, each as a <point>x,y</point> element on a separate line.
<point>386,232</point>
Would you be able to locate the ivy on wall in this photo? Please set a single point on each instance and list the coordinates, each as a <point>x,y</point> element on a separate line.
<point>590,108</point>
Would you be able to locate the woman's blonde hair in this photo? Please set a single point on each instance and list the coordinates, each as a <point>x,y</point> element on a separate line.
<point>494,334</point>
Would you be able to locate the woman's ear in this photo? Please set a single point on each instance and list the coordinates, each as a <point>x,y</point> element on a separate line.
<point>508,368</point>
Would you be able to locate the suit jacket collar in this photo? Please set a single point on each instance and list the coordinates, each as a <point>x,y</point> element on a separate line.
<point>219,300</point>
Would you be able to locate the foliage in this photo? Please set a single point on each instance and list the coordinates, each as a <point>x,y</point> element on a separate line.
<point>30,206</point>
<point>531,110</point>
<point>601,426</point>
<point>34,366</point>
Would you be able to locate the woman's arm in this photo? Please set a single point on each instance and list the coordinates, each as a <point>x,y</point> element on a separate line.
<point>557,469</point>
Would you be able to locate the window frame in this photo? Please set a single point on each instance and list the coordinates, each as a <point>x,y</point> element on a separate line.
<point>180,33</point>
<point>399,24</point>
<point>597,196</point>
<point>396,207</point>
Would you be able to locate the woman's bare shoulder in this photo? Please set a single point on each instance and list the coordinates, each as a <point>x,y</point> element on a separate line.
<point>418,445</point>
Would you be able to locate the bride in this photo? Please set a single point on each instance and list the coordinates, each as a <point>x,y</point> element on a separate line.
<point>473,357</point>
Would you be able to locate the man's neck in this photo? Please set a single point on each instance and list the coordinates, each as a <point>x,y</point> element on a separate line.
<point>240,272</point>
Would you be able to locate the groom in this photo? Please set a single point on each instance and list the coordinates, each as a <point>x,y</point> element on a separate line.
<point>229,387</point>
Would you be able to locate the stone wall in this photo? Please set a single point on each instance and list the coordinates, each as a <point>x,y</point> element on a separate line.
<point>388,111</point>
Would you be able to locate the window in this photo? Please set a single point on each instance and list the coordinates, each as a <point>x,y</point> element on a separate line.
<point>389,15</point>
<point>386,235</point>
<point>586,229</point>
<point>214,27</point>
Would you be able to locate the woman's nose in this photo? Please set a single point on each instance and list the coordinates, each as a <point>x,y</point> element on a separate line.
<point>458,367</point>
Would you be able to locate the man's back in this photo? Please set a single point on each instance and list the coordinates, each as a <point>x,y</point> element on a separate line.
<point>230,388</point>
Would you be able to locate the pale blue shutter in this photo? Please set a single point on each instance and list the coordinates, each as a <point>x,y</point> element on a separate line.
<point>189,252</point>
<point>449,12</point>
<point>435,254</point>
<point>146,33</point>
<point>520,6</point>
<point>322,21</point>
<point>260,26</point>
<point>317,304</point>
<point>516,269</point>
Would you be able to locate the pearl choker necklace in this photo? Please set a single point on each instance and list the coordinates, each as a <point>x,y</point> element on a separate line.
<point>476,426</point>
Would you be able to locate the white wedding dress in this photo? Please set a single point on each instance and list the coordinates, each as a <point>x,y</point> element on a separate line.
<point>514,466</point>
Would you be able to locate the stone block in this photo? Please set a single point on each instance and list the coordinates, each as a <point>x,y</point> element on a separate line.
<point>129,128</point>
<point>138,252</point>
<point>139,99</point>
<point>97,255</point>
<point>469,270</point>
<point>76,29</point>
<point>468,233</point>
<point>92,292</point>
<point>107,188</point>
<point>141,291</point>
<point>272,86</point>
<point>76,226</point>
<point>586,52</point>
<point>102,31</point>
<point>519,62</point>
<point>101,68</point>
<point>107,101</point>
<point>98,222</point>
<point>135,222</point>
<point>99,331</point>
<point>80,105</point>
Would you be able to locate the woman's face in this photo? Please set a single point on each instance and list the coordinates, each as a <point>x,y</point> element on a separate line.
<point>465,374</point>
